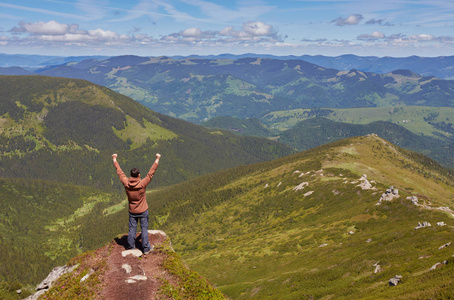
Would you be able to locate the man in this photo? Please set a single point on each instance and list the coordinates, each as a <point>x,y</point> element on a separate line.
<point>138,208</point>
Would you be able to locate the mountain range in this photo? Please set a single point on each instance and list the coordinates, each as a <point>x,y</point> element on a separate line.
<point>198,89</point>
<point>440,67</point>
<point>253,217</point>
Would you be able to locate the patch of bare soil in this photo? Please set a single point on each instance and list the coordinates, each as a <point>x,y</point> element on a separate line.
<point>132,277</point>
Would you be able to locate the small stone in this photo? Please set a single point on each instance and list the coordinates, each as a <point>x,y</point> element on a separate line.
<point>138,277</point>
<point>127,268</point>
<point>133,252</point>
<point>130,281</point>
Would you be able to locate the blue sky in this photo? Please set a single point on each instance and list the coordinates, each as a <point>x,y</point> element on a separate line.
<point>184,27</point>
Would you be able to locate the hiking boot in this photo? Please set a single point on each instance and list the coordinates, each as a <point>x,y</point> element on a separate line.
<point>149,250</point>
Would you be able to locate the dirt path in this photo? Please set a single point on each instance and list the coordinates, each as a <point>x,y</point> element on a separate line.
<point>131,277</point>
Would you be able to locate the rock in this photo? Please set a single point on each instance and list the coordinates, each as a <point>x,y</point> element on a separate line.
<point>445,245</point>
<point>266,185</point>
<point>424,224</point>
<point>351,232</point>
<point>127,268</point>
<point>50,279</point>
<point>87,275</point>
<point>378,269</point>
<point>436,266</point>
<point>395,280</point>
<point>369,240</point>
<point>133,252</point>
<point>389,195</point>
<point>138,277</point>
<point>365,184</point>
<point>308,193</point>
<point>300,186</point>
<point>157,232</point>
<point>19,291</point>
<point>441,223</point>
<point>323,245</point>
<point>54,275</point>
<point>413,200</point>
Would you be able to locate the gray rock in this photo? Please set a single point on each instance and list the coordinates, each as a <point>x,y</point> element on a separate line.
<point>395,280</point>
<point>50,279</point>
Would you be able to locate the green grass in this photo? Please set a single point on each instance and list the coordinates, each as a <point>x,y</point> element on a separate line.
<point>409,117</point>
<point>253,236</point>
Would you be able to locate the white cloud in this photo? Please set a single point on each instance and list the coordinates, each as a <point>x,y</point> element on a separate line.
<point>257,28</point>
<point>374,36</point>
<point>251,32</point>
<point>350,20</point>
<point>192,32</point>
<point>49,28</point>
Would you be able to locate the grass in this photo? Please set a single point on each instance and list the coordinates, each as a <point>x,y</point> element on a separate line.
<point>410,117</point>
<point>137,135</point>
<point>267,241</point>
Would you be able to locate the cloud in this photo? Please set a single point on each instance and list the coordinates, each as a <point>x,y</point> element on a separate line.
<point>379,22</point>
<point>49,28</point>
<point>350,20</point>
<point>53,33</point>
<point>321,40</point>
<point>251,32</point>
<point>374,36</point>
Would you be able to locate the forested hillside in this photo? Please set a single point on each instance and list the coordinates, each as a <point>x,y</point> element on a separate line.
<point>195,89</point>
<point>59,193</point>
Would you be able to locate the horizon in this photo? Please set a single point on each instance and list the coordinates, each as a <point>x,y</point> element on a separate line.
<point>184,27</point>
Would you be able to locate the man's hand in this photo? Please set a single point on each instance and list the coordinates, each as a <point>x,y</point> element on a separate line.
<point>158,156</point>
<point>114,157</point>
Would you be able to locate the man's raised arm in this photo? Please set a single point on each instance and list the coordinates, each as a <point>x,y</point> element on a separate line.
<point>120,173</point>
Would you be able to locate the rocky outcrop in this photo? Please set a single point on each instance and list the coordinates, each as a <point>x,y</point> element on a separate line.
<point>423,225</point>
<point>395,280</point>
<point>46,284</point>
<point>389,195</point>
<point>365,184</point>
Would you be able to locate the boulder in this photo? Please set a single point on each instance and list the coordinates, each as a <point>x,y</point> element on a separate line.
<point>395,280</point>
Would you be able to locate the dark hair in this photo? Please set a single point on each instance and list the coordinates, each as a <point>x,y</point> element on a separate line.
<point>135,172</point>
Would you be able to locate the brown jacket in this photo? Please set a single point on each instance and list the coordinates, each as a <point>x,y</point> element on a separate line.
<point>135,188</point>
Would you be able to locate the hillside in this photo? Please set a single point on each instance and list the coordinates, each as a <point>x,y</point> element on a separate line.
<point>59,193</point>
<point>111,272</point>
<point>314,132</point>
<point>197,89</point>
<point>311,226</point>
<point>49,126</point>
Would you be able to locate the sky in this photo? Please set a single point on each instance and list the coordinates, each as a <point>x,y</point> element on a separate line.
<point>398,28</point>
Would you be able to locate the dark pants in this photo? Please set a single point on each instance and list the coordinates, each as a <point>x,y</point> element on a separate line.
<point>133,219</point>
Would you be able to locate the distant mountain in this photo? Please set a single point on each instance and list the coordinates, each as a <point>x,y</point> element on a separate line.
<point>199,89</point>
<point>312,226</point>
<point>34,61</point>
<point>318,131</point>
<point>441,66</point>
<point>59,193</point>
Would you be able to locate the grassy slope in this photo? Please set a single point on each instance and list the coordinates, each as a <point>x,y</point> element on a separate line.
<point>253,236</point>
<point>410,117</point>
